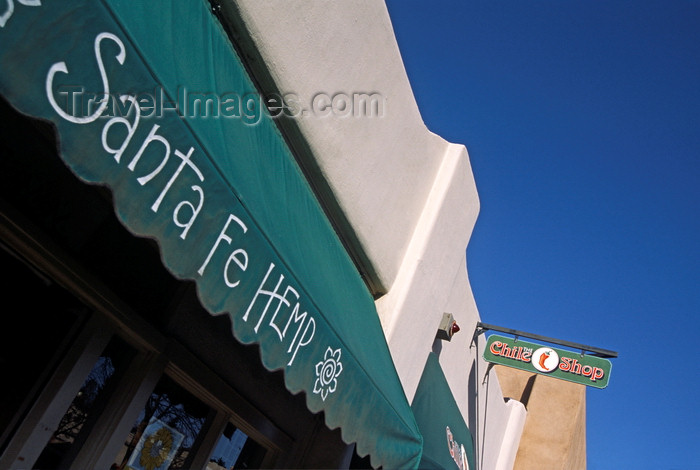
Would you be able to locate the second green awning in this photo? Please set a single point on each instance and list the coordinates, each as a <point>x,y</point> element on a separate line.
<point>447,442</point>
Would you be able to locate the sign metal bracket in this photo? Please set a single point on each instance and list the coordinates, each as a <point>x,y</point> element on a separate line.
<point>600,352</point>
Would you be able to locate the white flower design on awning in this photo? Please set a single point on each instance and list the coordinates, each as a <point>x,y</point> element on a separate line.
<point>327,372</point>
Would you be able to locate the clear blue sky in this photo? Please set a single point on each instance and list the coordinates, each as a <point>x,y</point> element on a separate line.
<point>582,122</point>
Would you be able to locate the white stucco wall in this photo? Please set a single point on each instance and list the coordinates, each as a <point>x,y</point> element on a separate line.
<point>409,195</point>
<point>380,169</point>
<point>433,280</point>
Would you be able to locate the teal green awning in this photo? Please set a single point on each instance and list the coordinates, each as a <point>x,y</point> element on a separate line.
<point>447,442</point>
<point>150,99</point>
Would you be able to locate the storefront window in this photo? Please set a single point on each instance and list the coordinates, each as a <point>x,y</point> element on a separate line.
<point>236,450</point>
<point>40,317</point>
<point>86,406</point>
<point>166,431</point>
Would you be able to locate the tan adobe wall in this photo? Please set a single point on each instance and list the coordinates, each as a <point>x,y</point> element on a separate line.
<point>554,436</point>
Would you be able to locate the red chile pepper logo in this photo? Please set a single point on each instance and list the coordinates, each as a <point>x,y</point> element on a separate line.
<point>545,359</point>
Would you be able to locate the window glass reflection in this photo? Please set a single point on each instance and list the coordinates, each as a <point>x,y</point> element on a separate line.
<point>166,431</point>
<point>86,406</point>
<point>236,450</point>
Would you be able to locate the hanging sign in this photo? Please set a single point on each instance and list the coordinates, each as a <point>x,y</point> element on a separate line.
<point>575,367</point>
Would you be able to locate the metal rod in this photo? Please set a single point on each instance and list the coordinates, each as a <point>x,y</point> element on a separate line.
<point>477,451</point>
<point>597,351</point>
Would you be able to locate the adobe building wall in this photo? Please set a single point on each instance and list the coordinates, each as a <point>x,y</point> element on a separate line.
<point>554,435</point>
<point>408,196</point>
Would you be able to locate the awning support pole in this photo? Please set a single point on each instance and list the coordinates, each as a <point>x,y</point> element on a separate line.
<point>477,384</point>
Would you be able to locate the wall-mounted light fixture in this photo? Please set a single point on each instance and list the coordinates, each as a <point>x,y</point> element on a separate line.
<point>448,327</point>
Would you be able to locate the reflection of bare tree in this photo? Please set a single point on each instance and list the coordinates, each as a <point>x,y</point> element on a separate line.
<point>78,412</point>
